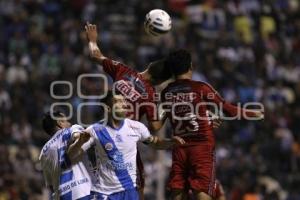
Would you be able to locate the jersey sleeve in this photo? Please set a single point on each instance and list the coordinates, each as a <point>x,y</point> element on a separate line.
<point>49,165</point>
<point>141,130</point>
<point>150,110</point>
<point>114,68</point>
<point>91,141</point>
<point>164,109</point>
<point>211,95</point>
<point>76,129</point>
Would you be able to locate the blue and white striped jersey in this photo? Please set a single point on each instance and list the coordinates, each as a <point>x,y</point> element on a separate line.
<point>68,181</point>
<point>114,167</point>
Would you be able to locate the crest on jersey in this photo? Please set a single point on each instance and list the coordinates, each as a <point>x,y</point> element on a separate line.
<point>119,138</point>
<point>108,146</point>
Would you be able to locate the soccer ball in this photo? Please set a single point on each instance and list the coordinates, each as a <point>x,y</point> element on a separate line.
<point>157,22</point>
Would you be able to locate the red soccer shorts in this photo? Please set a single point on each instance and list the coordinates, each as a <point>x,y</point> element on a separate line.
<point>193,167</point>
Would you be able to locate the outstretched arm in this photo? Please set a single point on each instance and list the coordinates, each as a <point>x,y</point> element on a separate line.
<point>155,126</point>
<point>111,67</point>
<point>164,143</point>
<point>154,141</point>
<point>229,109</point>
<point>92,36</point>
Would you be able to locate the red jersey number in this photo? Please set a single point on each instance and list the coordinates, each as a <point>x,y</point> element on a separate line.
<point>187,124</point>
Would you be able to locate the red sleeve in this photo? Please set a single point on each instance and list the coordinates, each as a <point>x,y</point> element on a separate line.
<point>166,108</point>
<point>151,112</point>
<point>211,95</point>
<point>114,68</point>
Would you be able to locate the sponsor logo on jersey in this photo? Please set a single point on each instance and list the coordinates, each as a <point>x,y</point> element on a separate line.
<point>117,163</point>
<point>133,135</point>
<point>127,90</point>
<point>118,157</point>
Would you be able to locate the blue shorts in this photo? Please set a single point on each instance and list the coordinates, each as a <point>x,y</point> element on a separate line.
<point>68,196</point>
<point>131,194</point>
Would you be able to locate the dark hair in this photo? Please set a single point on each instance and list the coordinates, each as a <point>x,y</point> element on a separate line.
<point>49,121</point>
<point>109,97</point>
<point>159,71</point>
<point>179,61</point>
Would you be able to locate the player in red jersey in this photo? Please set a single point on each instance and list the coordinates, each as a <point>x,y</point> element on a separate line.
<point>136,87</point>
<point>219,191</point>
<point>186,103</point>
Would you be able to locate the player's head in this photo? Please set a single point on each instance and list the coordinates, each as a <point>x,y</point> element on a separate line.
<point>179,62</point>
<point>53,121</point>
<point>116,105</point>
<point>158,72</point>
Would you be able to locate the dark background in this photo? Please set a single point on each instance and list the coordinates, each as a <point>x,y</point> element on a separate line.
<point>249,50</point>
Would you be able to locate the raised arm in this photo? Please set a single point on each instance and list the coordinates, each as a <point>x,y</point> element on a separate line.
<point>92,36</point>
<point>111,67</point>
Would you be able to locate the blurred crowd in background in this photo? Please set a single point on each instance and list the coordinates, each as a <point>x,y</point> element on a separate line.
<point>249,50</point>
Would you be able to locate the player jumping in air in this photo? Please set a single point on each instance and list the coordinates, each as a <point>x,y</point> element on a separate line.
<point>65,181</point>
<point>186,102</point>
<point>116,150</point>
<point>136,87</point>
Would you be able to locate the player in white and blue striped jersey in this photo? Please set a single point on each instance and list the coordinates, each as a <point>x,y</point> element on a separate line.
<point>114,174</point>
<point>66,181</point>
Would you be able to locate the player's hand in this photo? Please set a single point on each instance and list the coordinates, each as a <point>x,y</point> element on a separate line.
<point>214,119</point>
<point>216,123</point>
<point>178,140</point>
<point>259,114</point>
<point>91,32</point>
<point>84,137</point>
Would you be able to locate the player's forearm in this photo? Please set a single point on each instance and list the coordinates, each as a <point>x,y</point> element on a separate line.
<point>232,110</point>
<point>162,144</point>
<point>95,53</point>
<point>74,152</point>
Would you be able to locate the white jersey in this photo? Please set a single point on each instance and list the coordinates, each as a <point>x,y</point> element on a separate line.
<point>68,181</point>
<point>114,167</point>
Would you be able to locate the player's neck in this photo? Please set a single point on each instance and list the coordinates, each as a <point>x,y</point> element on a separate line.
<point>187,75</point>
<point>116,124</point>
<point>145,75</point>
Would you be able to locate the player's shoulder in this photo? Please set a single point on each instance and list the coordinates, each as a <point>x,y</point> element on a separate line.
<point>202,83</point>
<point>96,126</point>
<point>121,65</point>
<point>133,124</point>
<point>48,149</point>
<point>149,87</point>
<point>193,83</point>
<point>76,127</point>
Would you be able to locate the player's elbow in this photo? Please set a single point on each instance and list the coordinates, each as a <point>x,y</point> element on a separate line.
<point>155,126</point>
